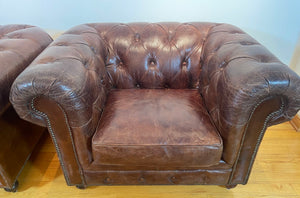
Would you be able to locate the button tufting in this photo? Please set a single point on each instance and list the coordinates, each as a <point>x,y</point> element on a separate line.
<point>172,179</point>
<point>93,49</point>
<point>184,64</point>
<point>102,81</point>
<point>107,180</point>
<point>120,64</point>
<point>137,37</point>
<point>85,64</point>
<point>152,62</point>
<point>142,179</point>
<point>223,64</point>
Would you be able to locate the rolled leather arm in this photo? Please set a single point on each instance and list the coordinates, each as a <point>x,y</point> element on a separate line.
<point>237,75</point>
<point>70,72</point>
<point>19,45</point>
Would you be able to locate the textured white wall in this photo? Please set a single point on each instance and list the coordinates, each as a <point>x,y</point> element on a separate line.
<point>295,62</point>
<point>274,23</point>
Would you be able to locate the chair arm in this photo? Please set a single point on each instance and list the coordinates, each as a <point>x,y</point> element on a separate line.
<point>64,89</point>
<point>19,45</point>
<point>238,74</point>
<point>70,72</point>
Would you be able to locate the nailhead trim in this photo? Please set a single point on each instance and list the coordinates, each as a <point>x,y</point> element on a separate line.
<point>53,138</point>
<point>73,146</point>
<point>262,132</point>
<point>258,141</point>
<point>56,145</point>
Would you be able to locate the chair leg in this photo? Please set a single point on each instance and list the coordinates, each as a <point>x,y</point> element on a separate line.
<point>14,187</point>
<point>80,186</point>
<point>229,186</point>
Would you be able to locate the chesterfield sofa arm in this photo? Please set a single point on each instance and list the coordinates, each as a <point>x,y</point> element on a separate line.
<point>69,72</point>
<point>64,90</point>
<point>19,45</point>
<point>156,103</point>
<point>241,83</point>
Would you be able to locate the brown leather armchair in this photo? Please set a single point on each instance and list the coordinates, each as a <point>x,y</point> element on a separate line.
<point>162,103</point>
<point>19,45</point>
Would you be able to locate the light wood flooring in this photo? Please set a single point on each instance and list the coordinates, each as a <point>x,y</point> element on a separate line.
<point>276,173</point>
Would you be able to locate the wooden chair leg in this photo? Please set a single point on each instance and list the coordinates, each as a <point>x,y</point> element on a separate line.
<point>229,186</point>
<point>14,188</point>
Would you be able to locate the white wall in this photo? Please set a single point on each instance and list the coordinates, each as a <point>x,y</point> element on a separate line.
<point>295,62</point>
<point>275,23</point>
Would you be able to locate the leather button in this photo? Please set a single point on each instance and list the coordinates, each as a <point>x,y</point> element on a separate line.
<point>223,64</point>
<point>172,179</point>
<point>142,179</point>
<point>152,62</point>
<point>137,37</point>
<point>85,63</point>
<point>102,82</point>
<point>93,50</point>
<point>107,180</point>
<point>121,64</point>
<point>184,64</point>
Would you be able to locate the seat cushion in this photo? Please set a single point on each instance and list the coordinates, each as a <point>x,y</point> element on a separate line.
<point>156,127</point>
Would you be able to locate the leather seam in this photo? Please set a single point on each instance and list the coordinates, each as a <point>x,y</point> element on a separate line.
<point>244,134</point>
<point>205,41</point>
<point>169,145</point>
<point>4,178</point>
<point>73,145</point>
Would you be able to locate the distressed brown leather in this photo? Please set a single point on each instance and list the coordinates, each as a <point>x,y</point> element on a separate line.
<point>19,45</point>
<point>94,73</point>
<point>156,128</point>
<point>237,74</point>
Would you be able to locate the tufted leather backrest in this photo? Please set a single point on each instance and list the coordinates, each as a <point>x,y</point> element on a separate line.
<point>151,55</point>
<point>19,45</point>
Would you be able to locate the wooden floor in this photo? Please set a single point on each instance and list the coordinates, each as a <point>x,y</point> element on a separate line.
<point>276,173</point>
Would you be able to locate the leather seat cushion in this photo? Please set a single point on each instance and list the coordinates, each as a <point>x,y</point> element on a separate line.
<point>156,127</point>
